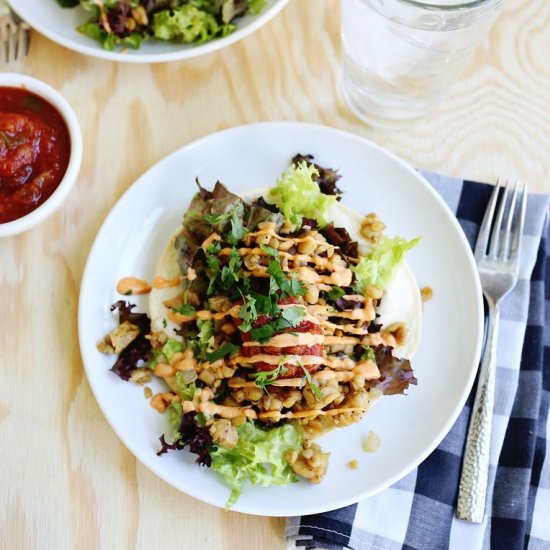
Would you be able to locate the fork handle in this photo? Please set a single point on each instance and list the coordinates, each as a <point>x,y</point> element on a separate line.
<point>475,467</point>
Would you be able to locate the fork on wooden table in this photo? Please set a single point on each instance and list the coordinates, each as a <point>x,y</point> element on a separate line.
<point>497,255</point>
<point>14,35</point>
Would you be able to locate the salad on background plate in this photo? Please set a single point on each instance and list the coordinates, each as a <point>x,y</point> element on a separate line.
<point>127,23</point>
<point>275,316</point>
<point>146,31</point>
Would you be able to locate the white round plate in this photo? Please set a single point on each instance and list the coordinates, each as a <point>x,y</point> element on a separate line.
<point>374,180</point>
<point>59,24</point>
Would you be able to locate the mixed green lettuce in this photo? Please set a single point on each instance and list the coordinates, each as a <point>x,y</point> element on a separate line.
<point>127,23</point>
<point>259,456</point>
<point>217,211</point>
<point>378,267</point>
<point>298,196</point>
<point>188,25</point>
<point>185,391</point>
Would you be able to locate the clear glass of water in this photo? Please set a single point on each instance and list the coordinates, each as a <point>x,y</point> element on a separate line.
<point>401,56</point>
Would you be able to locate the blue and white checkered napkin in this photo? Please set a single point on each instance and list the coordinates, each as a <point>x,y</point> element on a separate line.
<point>418,511</point>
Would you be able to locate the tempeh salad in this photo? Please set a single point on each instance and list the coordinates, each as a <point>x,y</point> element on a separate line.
<point>274,317</point>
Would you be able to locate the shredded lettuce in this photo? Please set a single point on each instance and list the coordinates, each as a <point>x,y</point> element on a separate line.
<point>255,6</point>
<point>171,348</point>
<point>205,341</point>
<point>259,456</point>
<point>297,195</point>
<point>173,413</point>
<point>378,267</point>
<point>188,24</point>
<point>186,391</point>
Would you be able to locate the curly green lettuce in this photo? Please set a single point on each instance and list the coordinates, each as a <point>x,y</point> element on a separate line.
<point>297,195</point>
<point>188,25</point>
<point>259,456</point>
<point>378,267</point>
<point>128,23</point>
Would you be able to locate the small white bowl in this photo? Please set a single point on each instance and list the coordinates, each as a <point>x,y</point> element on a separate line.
<point>53,202</point>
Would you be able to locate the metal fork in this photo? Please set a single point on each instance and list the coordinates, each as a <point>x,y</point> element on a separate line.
<point>14,35</point>
<point>497,254</point>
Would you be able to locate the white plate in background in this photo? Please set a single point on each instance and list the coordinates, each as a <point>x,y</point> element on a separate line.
<point>59,24</point>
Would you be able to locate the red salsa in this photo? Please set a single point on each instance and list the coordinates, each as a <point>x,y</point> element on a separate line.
<point>34,151</point>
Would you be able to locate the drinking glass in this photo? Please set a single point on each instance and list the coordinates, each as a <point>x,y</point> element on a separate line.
<point>401,56</point>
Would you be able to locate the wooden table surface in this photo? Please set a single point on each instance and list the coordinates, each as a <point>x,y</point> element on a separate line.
<point>66,480</point>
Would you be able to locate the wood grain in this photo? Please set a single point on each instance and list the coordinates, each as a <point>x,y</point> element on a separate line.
<point>67,481</point>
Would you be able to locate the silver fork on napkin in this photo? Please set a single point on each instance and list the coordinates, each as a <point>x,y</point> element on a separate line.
<point>497,254</point>
<point>14,35</point>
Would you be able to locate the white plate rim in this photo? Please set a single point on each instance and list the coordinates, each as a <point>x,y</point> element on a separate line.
<point>474,359</point>
<point>187,52</point>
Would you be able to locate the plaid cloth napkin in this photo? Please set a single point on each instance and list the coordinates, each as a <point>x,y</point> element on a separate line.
<point>418,511</point>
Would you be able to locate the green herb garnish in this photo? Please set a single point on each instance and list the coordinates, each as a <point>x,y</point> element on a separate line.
<point>270,251</point>
<point>315,389</point>
<point>290,317</point>
<point>278,281</point>
<point>266,378</point>
<point>225,350</point>
<point>234,216</point>
<point>335,293</point>
<point>248,313</point>
<point>185,309</point>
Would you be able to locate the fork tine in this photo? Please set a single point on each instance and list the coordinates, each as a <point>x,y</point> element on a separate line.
<point>507,236</point>
<point>495,233</point>
<point>20,43</point>
<point>485,229</point>
<point>4,41</point>
<point>14,38</point>
<point>11,42</point>
<point>23,39</point>
<point>518,230</point>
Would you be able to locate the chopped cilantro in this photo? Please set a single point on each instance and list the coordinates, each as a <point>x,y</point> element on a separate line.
<point>264,333</point>
<point>213,270</point>
<point>185,309</point>
<point>335,293</point>
<point>214,248</point>
<point>226,349</point>
<point>293,315</point>
<point>270,251</point>
<point>128,293</point>
<point>315,389</point>
<point>295,287</point>
<point>276,271</point>
<point>290,317</point>
<point>266,378</point>
<point>266,305</point>
<point>234,216</point>
<point>238,230</point>
<point>248,313</point>
<point>235,262</point>
<point>278,281</point>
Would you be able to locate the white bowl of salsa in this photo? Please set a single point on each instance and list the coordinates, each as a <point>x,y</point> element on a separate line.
<point>40,152</point>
